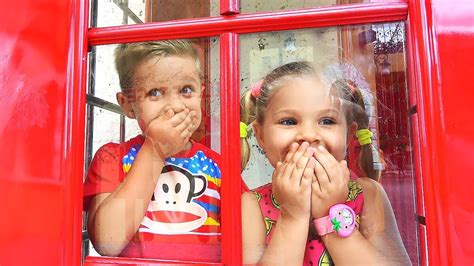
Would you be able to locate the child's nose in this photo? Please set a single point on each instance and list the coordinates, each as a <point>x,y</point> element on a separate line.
<point>176,104</point>
<point>308,133</point>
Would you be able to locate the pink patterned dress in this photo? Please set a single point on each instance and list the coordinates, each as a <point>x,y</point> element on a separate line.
<point>315,253</point>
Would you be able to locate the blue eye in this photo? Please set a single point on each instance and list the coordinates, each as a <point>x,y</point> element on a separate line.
<point>288,122</point>
<point>187,90</point>
<point>154,93</point>
<point>327,121</point>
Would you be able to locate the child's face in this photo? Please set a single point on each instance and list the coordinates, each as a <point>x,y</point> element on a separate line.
<point>303,110</point>
<point>163,83</point>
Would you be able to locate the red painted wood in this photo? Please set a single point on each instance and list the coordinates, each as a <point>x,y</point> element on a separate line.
<point>230,7</point>
<point>440,35</point>
<point>250,23</point>
<point>74,125</point>
<point>422,245</point>
<point>230,147</point>
<point>104,261</point>
<point>41,131</point>
<point>420,44</point>
<point>453,32</point>
<point>42,85</point>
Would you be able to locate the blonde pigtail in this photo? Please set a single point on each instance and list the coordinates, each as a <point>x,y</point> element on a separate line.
<point>369,158</point>
<point>247,116</point>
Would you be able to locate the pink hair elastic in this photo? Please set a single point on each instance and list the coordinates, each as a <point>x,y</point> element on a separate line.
<point>256,88</point>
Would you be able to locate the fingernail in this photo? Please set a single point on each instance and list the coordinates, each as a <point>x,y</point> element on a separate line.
<point>321,148</point>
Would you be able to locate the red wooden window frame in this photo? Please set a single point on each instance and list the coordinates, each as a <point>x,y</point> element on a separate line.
<point>228,26</point>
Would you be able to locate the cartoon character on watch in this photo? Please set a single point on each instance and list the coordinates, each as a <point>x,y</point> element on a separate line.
<point>341,219</point>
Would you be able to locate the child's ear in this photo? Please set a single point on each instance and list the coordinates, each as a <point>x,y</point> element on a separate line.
<point>125,105</point>
<point>258,130</point>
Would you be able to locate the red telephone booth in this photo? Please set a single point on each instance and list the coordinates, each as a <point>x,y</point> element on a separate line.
<point>414,54</point>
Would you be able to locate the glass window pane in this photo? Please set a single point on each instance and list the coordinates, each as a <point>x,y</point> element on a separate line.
<point>168,89</point>
<point>104,78</point>
<point>125,12</point>
<point>106,128</point>
<point>369,62</point>
<point>95,135</point>
<point>251,6</point>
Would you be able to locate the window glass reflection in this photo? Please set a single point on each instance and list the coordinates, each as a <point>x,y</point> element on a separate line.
<point>251,6</point>
<point>125,12</point>
<point>162,149</point>
<point>370,58</point>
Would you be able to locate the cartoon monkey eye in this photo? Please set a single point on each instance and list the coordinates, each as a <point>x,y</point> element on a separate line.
<point>177,188</point>
<point>165,188</point>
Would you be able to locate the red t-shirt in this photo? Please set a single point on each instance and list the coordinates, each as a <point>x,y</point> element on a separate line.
<point>182,221</point>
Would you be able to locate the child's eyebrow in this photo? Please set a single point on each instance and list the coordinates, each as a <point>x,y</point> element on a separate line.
<point>286,111</point>
<point>188,78</point>
<point>290,111</point>
<point>330,110</point>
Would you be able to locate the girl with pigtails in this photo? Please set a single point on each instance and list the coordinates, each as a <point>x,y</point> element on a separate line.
<point>313,212</point>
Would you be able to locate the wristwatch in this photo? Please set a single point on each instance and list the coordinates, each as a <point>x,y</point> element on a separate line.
<point>341,219</point>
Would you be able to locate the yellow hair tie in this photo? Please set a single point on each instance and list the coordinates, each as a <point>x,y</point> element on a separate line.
<point>243,130</point>
<point>364,136</point>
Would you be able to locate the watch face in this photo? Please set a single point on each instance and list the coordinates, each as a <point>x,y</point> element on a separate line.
<point>343,219</point>
<point>347,217</point>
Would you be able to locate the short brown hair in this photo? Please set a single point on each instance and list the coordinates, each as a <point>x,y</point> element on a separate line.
<point>129,55</point>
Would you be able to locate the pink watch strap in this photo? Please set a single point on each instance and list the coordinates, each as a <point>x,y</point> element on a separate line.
<point>341,219</point>
<point>323,225</point>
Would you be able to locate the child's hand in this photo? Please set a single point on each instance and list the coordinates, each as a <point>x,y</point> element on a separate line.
<point>291,182</point>
<point>330,186</point>
<point>170,132</point>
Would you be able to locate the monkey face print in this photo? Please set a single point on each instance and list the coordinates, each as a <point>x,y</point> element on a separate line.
<point>184,198</point>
